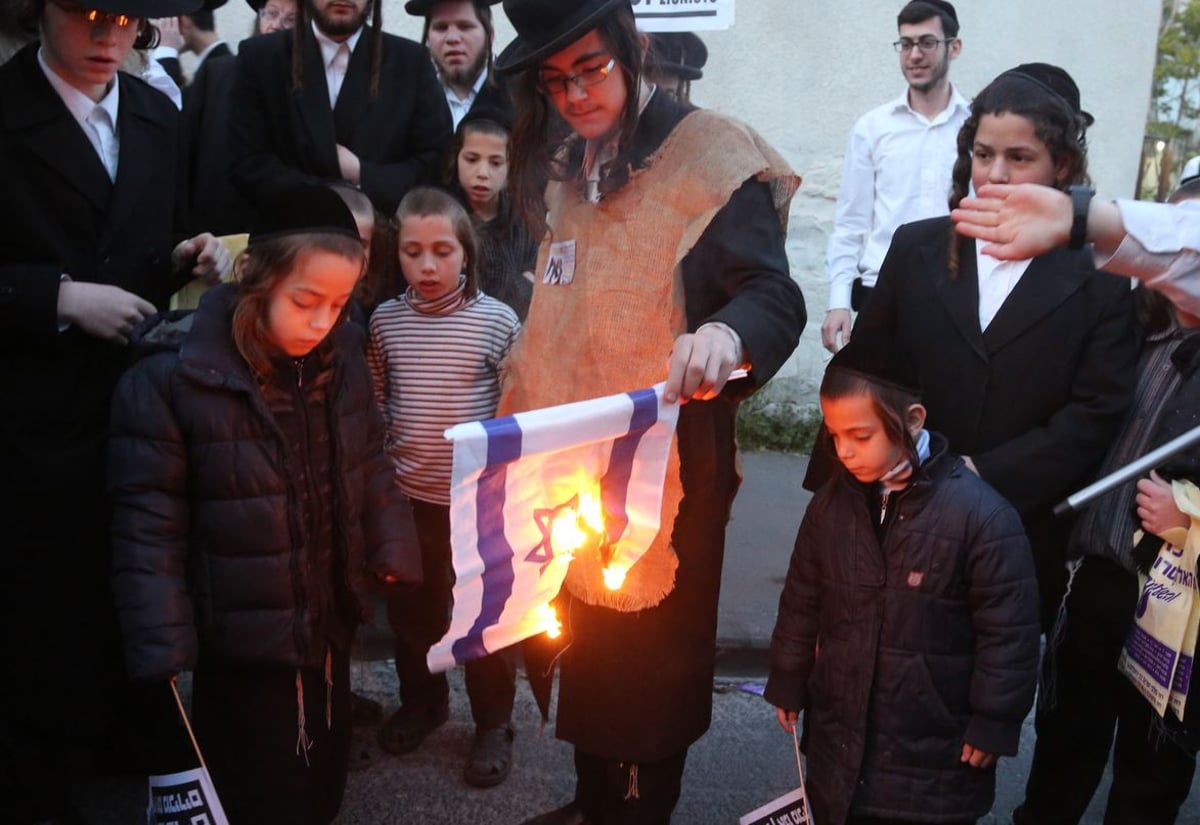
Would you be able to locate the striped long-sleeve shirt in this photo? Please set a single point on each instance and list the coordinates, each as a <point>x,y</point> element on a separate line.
<point>436,364</point>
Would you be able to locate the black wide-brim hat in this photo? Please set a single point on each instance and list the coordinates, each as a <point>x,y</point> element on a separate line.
<point>147,9</point>
<point>679,53</point>
<point>545,27</point>
<point>421,8</point>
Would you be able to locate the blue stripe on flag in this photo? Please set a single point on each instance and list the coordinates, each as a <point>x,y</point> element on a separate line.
<point>614,486</point>
<point>503,447</point>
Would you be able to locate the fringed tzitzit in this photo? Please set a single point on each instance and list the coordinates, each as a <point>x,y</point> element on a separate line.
<point>328,689</point>
<point>303,743</point>
<point>631,792</point>
<point>1047,680</point>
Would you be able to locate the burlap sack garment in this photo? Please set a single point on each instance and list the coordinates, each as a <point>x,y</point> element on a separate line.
<point>612,327</point>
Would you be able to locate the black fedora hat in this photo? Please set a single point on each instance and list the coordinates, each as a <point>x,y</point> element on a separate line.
<point>148,9</point>
<point>678,53</point>
<point>547,26</point>
<point>421,8</point>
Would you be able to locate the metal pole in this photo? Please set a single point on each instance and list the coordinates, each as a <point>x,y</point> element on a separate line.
<point>1130,471</point>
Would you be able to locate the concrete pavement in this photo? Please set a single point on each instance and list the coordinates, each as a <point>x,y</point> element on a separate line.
<point>743,762</point>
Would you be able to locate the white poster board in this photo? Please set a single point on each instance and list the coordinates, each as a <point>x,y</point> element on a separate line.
<point>683,15</point>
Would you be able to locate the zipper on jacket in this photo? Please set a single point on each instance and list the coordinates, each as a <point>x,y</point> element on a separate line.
<point>883,503</point>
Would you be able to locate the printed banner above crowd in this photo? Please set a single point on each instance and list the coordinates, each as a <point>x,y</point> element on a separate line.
<point>683,15</point>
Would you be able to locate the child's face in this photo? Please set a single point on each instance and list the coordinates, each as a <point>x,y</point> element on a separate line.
<point>306,304</point>
<point>1008,150</point>
<point>859,437</point>
<point>483,169</point>
<point>84,53</point>
<point>431,256</point>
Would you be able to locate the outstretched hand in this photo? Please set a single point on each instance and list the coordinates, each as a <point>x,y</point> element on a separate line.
<point>1017,221</point>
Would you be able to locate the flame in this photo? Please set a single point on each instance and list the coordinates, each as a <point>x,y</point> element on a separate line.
<point>548,618</point>
<point>614,576</point>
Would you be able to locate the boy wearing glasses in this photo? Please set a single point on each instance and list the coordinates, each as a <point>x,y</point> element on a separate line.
<point>898,162</point>
<point>88,158</point>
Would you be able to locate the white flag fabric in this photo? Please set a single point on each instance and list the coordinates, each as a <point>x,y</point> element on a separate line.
<point>514,476</point>
<point>185,798</point>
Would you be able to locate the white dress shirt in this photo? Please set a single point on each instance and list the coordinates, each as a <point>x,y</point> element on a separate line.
<point>997,280</point>
<point>1162,249</point>
<point>897,170</point>
<point>336,58</point>
<point>97,120</point>
<point>459,106</point>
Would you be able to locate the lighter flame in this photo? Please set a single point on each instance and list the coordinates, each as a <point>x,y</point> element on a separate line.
<point>614,576</point>
<point>551,626</point>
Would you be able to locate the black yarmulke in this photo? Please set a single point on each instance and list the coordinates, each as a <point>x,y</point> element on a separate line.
<point>882,362</point>
<point>942,6</point>
<point>303,210</point>
<point>1053,80</point>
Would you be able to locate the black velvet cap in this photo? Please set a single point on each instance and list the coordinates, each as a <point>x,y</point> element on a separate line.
<point>1055,81</point>
<point>942,6</point>
<point>495,114</point>
<point>303,210</point>
<point>881,362</point>
<point>421,8</point>
<point>680,53</point>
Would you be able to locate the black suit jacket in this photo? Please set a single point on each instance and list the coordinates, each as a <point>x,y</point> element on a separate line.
<point>214,203</point>
<point>282,137</point>
<point>61,214</point>
<point>1034,400</point>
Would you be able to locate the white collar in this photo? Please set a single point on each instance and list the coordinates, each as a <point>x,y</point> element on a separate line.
<point>200,57</point>
<point>78,104</point>
<point>957,101</point>
<point>329,47</point>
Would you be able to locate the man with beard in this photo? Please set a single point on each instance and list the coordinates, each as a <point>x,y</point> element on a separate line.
<point>336,99</point>
<point>898,163</point>
<point>460,34</point>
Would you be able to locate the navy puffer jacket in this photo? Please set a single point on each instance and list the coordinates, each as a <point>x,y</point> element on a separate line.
<point>900,653</point>
<point>209,549</point>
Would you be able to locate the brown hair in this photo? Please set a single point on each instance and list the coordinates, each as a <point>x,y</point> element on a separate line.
<point>424,202</point>
<point>263,267</point>
<point>541,141</point>
<point>890,402</point>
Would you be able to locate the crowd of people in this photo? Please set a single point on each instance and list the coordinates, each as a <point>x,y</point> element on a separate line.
<point>238,310</point>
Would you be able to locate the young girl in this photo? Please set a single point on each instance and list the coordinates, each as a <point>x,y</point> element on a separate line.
<point>252,494</point>
<point>507,252</point>
<point>1026,366</point>
<point>435,355</point>
<point>908,624</point>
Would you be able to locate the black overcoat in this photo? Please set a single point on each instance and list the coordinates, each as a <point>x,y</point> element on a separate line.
<point>281,136</point>
<point>1036,399</point>
<point>637,687</point>
<point>61,214</point>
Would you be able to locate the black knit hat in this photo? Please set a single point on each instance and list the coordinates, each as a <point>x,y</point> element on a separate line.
<point>941,5</point>
<point>422,8</point>
<point>678,53</point>
<point>879,361</point>
<point>1055,81</point>
<point>545,27</point>
<point>303,210</point>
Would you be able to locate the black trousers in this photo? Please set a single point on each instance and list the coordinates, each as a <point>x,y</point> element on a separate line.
<point>619,793</point>
<point>1082,700</point>
<point>421,618</point>
<point>247,724</point>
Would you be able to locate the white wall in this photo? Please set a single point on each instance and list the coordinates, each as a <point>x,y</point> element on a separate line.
<point>801,72</point>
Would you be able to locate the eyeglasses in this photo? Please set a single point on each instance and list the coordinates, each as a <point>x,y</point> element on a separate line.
<point>270,15</point>
<point>580,80</point>
<point>926,44</point>
<point>94,16</point>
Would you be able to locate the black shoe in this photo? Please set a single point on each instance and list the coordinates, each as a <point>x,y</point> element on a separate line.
<point>491,757</point>
<point>407,728</point>
<point>569,814</point>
